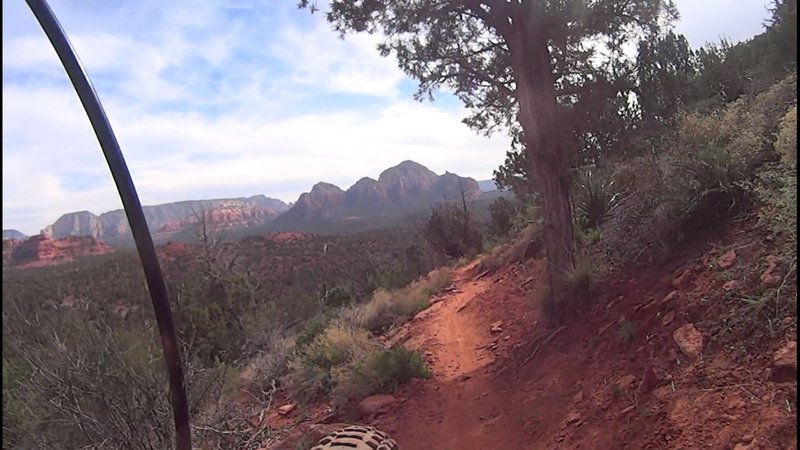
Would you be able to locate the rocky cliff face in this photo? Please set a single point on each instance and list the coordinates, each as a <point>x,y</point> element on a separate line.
<point>40,250</point>
<point>366,191</point>
<point>408,181</point>
<point>323,199</point>
<point>409,186</point>
<point>168,219</point>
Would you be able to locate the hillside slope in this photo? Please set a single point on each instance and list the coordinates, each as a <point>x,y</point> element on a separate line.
<point>615,376</point>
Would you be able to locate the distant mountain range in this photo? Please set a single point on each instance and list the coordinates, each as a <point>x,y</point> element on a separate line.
<point>168,219</point>
<point>14,234</point>
<point>487,185</point>
<point>400,194</point>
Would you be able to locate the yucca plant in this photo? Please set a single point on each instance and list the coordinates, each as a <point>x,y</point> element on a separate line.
<point>596,195</point>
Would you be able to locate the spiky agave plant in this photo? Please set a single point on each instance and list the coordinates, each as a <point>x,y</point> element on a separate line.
<point>596,195</point>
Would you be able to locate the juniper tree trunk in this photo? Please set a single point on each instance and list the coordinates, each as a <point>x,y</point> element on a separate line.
<point>538,117</point>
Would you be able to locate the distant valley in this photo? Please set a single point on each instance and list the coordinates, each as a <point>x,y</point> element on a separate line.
<point>399,196</point>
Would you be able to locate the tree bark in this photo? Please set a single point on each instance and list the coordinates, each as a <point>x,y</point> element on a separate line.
<point>538,117</point>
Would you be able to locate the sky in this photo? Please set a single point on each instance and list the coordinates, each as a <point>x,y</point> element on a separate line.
<point>233,98</point>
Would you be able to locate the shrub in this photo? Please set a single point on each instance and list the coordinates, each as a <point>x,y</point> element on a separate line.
<point>576,285</point>
<point>593,235</point>
<point>578,279</point>
<point>106,383</point>
<point>703,179</point>
<point>388,307</point>
<point>775,189</point>
<point>525,246</point>
<point>595,195</point>
<point>311,329</point>
<point>338,296</point>
<point>382,371</point>
<point>272,362</point>
<point>311,370</point>
<point>451,231</point>
<point>786,142</point>
<point>503,212</point>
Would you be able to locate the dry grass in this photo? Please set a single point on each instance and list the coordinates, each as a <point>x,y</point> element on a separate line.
<point>525,246</point>
<point>395,306</point>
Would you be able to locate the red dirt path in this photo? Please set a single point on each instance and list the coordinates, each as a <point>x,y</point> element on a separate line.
<point>565,397</point>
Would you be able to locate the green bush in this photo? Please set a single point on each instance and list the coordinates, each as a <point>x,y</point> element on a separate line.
<point>595,195</point>
<point>312,328</point>
<point>775,189</point>
<point>311,371</point>
<point>503,213</point>
<point>338,296</point>
<point>786,142</point>
<point>452,232</point>
<point>382,371</point>
<point>576,286</point>
<point>526,245</point>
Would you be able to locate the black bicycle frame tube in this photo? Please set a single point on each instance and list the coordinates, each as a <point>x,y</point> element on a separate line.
<point>133,210</point>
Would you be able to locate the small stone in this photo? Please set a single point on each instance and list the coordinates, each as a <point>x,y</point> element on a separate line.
<point>464,377</point>
<point>287,408</point>
<point>727,259</point>
<point>626,381</point>
<point>605,328</point>
<point>649,380</point>
<point>668,318</point>
<point>496,327</point>
<point>747,438</point>
<point>507,337</point>
<point>770,280</point>
<point>627,410</point>
<point>671,296</point>
<point>683,280</point>
<point>689,340</point>
<point>573,417</point>
<point>577,397</point>
<point>731,286</point>
<point>375,404</point>
<point>769,277</point>
<point>786,356</point>
<point>784,363</point>
<point>750,445</point>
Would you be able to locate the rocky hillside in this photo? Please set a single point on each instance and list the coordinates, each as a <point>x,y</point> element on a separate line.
<point>169,219</point>
<point>398,193</point>
<point>40,250</point>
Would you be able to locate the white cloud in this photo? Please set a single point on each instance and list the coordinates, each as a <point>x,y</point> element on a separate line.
<point>211,99</point>
<point>319,59</point>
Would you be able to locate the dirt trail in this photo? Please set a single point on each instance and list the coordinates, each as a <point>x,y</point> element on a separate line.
<point>461,407</point>
<point>612,378</point>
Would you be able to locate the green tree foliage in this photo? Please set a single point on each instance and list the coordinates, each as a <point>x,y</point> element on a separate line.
<point>503,214</point>
<point>452,232</point>
<point>727,71</point>
<point>665,66</point>
<point>528,66</point>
